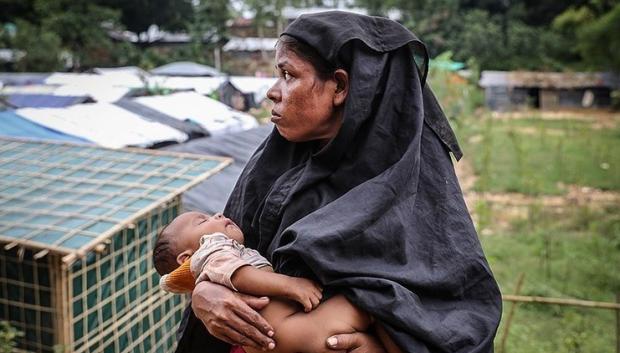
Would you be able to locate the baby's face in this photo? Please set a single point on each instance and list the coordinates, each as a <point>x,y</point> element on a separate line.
<point>191,226</point>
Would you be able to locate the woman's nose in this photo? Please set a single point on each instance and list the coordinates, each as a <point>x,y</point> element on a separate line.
<point>273,94</point>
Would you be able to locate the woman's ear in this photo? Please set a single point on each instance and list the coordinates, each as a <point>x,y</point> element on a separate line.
<point>342,86</point>
<point>182,257</point>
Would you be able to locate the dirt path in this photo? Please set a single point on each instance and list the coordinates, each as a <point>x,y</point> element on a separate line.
<point>509,207</point>
<point>600,119</point>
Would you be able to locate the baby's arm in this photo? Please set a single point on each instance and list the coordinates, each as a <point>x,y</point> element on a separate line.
<point>265,282</point>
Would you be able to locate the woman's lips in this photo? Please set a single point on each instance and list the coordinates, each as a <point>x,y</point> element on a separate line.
<point>275,117</point>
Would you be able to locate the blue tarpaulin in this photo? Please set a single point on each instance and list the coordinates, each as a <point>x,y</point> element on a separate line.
<point>44,100</point>
<point>13,125</point>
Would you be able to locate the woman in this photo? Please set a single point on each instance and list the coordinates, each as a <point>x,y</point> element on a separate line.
<point>355,189</point>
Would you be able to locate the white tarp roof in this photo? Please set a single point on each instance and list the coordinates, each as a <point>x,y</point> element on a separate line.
<point>214,116</point>
<point>102,94</point>
<point>202,85</point>
<point>113,79</point>
<point>104,88</point>
<point>29,89</point>
<point>250,44</point>
<point>258,86</point>
<point>185,68</point>
<point>104,124</point>
<point>133,70</point>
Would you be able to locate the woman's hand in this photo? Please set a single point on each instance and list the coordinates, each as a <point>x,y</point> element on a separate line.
<point>358,342</point>
<point>232,317</point>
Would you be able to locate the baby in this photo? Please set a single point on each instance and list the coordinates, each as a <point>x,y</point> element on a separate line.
<point>198,247</point>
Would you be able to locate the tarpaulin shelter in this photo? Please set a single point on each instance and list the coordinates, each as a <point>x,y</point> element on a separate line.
<point>185,68</point>
<point>13,125</point>
<point>211,195</point>
<point>104,124</point>
<point>214,116</point>
<point>19,100</point>
<point>77,227</point>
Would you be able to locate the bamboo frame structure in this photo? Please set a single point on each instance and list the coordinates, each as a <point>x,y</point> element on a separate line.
<point>77,226</point>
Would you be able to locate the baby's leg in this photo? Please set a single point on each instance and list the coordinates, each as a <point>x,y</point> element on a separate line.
<point>299,332</point>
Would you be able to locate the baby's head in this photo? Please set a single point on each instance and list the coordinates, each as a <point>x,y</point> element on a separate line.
<point>181,238</point>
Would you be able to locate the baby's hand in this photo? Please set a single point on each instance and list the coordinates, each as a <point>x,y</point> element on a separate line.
<point>305,292</point>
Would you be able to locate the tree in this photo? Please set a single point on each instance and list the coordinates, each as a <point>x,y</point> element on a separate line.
<point>208,27</point>
<point>42,48</point>
<point>81,26</point>
<point>17,9</point>
<point>137,16</point>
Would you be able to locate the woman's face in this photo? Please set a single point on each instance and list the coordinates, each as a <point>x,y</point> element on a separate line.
<point>304,105</point>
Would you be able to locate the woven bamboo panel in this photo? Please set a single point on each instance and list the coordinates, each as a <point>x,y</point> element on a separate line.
<point>77,228</point>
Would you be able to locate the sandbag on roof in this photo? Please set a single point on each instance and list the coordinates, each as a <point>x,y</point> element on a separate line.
<point>104,124</point>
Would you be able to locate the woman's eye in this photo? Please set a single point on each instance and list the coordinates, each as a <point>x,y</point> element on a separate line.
<point>286,75</point>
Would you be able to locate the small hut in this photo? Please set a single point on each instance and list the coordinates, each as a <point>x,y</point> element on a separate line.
<point>547,90</point>
<point>77,227</point>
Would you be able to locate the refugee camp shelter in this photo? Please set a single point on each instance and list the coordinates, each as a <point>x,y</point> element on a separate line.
<point>185,68</point>
<point>547,90</point>
<point>246,46</point>
<point>211,195</point>
<point>42,100</point>
<point>77,228</point>
<point>104,124</point>
<point>13,125</point>
<point>212,115</point>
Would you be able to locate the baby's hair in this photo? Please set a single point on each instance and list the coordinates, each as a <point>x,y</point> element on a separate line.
<point>164,253</point>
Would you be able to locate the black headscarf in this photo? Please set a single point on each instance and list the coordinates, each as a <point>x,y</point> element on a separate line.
<point>377,214</point>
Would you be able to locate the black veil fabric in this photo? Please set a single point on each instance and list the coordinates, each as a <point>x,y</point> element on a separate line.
<point>377,214</point>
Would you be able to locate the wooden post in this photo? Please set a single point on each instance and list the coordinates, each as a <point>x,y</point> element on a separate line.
<point>513,306</point>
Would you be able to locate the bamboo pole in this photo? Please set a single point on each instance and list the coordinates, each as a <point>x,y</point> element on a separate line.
<point>561,301</point>
<point>513,307</point>
<point>618,324</point>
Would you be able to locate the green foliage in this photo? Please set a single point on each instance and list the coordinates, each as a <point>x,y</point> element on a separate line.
<point>459,96</point>
<point>42,48</point>
<point>599,43</point>
<point>572,254</point>
<point>536,156</point>
<point>503,35</point>
<point>137,16</point>
<point>80,25</point>
<point>519,34</point>
<point>208,25</point>
<point>8,335</point>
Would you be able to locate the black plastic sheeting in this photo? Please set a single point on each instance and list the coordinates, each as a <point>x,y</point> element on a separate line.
<point>192,129</point>
<point>211,195</point>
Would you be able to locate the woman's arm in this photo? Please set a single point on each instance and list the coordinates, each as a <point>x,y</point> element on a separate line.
<point>232,317</point>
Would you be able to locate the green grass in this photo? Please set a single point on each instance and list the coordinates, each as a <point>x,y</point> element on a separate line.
<point>535,156</point>
<point>573,255</point>
<point>568,252</point>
